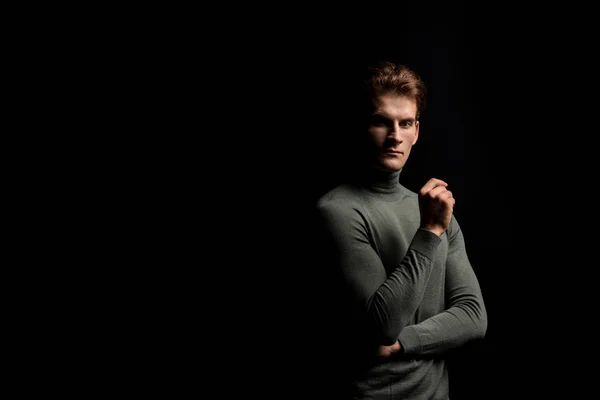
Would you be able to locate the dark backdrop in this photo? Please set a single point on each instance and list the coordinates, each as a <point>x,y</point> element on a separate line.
<point>242,148</point>
<point>458,143</point>
<point>493,129</point>
<point>464,139</point>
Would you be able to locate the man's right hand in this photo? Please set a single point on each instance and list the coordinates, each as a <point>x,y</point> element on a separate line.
<point>435,205</point>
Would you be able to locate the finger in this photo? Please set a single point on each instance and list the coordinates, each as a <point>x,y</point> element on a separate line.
<point>437,191</point>
<point>445,195</point>
<point>432,183</point>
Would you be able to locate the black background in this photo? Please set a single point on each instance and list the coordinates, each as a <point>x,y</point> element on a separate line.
<point>463,140</point>
<point>242,146</point>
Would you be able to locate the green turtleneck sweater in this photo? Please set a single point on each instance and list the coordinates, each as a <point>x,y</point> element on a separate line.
<point>395,281</point>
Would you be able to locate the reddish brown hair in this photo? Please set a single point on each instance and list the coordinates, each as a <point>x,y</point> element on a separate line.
<point>387,77</point>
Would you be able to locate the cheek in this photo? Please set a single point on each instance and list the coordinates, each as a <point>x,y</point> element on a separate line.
<point>377,136</point>
<point>409,137</point>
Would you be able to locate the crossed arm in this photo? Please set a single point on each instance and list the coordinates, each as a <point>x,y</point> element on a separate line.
<point>464,318</point>
<point>388,303</point>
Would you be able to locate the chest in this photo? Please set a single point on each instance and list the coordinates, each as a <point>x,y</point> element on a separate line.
<point>392,227</point>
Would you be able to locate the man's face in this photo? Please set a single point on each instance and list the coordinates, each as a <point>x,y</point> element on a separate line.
<point>392,130</point>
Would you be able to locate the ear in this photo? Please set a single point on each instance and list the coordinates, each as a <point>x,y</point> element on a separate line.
<point>416,133</point>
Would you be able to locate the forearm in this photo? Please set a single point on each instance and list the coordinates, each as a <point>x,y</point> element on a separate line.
<point>381,305</point>
<point>394,303</point>
<point>462,318</point>
<point>450,329</point>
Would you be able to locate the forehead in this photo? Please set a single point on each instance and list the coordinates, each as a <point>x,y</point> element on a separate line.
<point>395,106</point>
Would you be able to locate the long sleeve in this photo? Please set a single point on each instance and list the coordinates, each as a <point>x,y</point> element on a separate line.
<point>465,317</point>
<point>386,302</point>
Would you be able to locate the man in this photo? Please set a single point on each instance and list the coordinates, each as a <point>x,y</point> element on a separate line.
<point>402,290</point>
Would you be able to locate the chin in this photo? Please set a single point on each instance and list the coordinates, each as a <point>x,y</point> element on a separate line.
<point>390,165</point>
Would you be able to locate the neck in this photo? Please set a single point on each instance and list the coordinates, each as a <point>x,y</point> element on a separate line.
<point>379,181</point>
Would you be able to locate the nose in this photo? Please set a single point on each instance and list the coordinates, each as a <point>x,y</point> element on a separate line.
<point>394,132</point>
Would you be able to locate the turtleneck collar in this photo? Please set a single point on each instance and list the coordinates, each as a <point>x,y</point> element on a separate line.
<point>380,181</point>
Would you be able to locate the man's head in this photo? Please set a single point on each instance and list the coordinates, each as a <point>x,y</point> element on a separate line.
<point>395,97</point>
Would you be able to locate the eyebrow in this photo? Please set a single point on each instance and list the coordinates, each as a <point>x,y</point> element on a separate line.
<point>385,116</point>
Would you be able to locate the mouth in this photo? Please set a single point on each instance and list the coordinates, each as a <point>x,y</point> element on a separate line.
<point>393,152</point>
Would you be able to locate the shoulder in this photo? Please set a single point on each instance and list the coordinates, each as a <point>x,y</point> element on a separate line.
<point>341,202</point>
<point>342,196</point>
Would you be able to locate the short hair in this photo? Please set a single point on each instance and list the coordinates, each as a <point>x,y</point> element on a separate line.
<point>386,77</point>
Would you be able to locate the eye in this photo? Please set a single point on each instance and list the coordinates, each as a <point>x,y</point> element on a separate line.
<point>406,123</point>
<point>377,120</point>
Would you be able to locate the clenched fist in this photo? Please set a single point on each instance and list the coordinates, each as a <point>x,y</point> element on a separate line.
<point>435,205</point>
